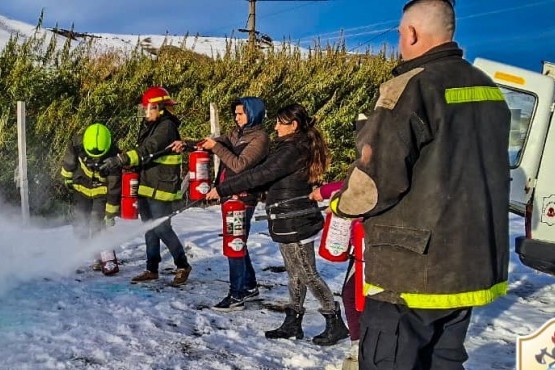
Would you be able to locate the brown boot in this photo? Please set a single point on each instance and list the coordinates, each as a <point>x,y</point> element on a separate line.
<point>145,276</point>
<point>181,276</point>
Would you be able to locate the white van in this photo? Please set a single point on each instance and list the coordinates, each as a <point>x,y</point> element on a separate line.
<point>531,98</point>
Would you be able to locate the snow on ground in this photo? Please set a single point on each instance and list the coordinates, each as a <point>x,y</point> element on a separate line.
<point>56,313</point>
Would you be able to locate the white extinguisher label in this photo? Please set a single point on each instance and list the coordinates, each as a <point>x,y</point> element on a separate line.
<point>236,244</point>
<point>201,169</point>
<point>235,222</point>
<point>203,188</point>
<point>133,187</point>
<point>339,234</point>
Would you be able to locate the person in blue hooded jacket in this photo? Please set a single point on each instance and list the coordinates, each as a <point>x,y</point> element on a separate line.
<point>243,148</point>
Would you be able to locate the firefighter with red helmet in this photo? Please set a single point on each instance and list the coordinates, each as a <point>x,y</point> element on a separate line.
<point>159,180</point>
<point>95,191</point>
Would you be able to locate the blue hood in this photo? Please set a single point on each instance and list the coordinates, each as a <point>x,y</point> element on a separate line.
<point>255,109</point>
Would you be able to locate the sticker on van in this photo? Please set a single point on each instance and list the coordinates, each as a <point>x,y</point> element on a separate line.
<point>548,210</point>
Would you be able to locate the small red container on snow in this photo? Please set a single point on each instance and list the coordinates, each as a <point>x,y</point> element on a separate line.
<point>109,262</point>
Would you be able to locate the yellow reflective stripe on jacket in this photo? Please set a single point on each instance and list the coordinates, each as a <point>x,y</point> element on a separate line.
<point>90,174</point>
<point>171,159</point>
<point>101,190</point>
<point>147,191</point>
<point>445,301</point>
<point>112,208</point>
<point>133,158</point>
<point>473,94</point>
<point>66,174</point>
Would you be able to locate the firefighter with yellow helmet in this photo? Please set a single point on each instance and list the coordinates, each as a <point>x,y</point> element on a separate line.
<point>96,192</point>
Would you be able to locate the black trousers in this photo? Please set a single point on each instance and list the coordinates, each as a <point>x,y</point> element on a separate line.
<point>88,215</point>
<point>401,338</point>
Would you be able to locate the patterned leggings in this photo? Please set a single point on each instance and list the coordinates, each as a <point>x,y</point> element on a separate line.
<point>300,263</point>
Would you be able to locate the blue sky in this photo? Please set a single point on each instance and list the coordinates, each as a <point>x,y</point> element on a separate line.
<point>520,32</point>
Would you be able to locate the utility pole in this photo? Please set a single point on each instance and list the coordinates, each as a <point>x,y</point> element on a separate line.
<point>251,24</point>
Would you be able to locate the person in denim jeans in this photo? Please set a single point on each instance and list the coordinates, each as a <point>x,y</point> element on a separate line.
<point>243,148</point>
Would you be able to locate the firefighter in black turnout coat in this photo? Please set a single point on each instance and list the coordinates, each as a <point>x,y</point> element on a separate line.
<point>95,192</point>
<point>159,181</point>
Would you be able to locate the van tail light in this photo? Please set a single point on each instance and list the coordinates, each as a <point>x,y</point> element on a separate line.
<point>528,220</point>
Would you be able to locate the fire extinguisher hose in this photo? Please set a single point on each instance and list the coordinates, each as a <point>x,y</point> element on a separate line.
<point>192,204</point>
<point>281,202</point>
<point>279,216</point>
<point>149,158</point>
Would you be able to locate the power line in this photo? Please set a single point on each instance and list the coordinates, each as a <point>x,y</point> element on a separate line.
<point>383,32</point>
<point>251,21</point>
<point>375,37</point>
<point>351,29</point>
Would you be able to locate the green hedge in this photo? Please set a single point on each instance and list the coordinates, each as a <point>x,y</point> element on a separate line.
<point>65,89</point>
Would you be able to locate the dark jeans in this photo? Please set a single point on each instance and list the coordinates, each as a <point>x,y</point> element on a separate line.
<point>395,337</point>
<point>151,209</point>
<point>241,272</point>
<point>300,263</point>
<point>348,298</point>
<point>88,215</point>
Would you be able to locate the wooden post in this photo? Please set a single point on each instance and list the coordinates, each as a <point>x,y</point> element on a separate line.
<point>22,151</point>
<point>252,24</point>
<point>215,131</point>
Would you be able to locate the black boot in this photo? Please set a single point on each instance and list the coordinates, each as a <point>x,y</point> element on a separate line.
<point>291,327</point>
<point>335,329</point>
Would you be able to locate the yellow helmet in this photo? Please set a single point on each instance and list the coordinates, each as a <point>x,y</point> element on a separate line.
<point>97,140</point>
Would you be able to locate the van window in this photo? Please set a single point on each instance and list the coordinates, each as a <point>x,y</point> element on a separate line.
<point>522,107</point>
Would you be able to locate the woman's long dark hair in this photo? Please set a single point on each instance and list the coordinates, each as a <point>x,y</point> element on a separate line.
<point>317,159</point>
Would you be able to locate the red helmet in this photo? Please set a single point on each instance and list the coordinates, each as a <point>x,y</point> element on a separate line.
<point>156,95</point>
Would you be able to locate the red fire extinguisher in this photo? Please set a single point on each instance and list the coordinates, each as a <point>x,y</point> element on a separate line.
<point>199,174</point>
<point>129,195</point>
<point>358,245</point>
<point>335,241</point>
<point>234,233</point>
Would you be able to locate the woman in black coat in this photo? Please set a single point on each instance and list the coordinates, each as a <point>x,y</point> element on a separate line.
<point>297,160</point>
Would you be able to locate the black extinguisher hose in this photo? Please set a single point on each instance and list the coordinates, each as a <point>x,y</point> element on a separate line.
<point>281,202</point>
<point>301,212</point>
<point>149,158</point>
<point>189,205</point>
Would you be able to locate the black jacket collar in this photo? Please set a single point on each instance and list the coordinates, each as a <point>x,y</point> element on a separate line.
<point>449,49</point>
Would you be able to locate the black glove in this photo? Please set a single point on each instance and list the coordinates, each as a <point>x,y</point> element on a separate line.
<point>117,161</point>
<point>190,145</point>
